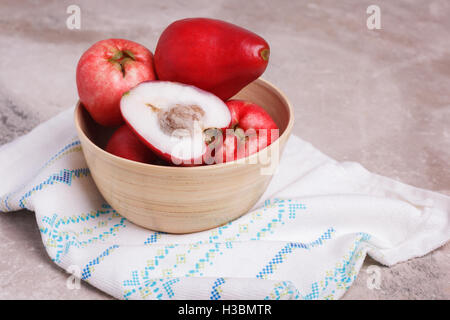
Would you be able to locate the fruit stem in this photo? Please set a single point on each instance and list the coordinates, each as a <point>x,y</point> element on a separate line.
<point>129,54</point>
<point>117,56</point>
<point>120,58</point>
<point>265,53</point>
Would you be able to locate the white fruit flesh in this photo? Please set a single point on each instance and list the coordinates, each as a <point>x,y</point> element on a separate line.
<point>172,117</point>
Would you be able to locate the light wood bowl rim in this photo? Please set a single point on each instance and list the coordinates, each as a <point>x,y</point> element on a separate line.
<point>113,158</point>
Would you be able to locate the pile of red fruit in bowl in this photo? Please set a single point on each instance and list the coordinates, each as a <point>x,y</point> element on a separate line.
<point>174,107</point>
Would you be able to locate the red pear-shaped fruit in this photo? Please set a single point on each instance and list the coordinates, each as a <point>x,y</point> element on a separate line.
<point>210,54</point>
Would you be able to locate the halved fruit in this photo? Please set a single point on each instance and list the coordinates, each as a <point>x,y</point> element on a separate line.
<point>124,143</point>
<point>176,121</point>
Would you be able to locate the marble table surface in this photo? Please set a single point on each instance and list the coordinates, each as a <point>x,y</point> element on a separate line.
<point>377,97</point>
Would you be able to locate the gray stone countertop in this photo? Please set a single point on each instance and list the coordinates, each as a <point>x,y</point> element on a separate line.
<point>377,97</point>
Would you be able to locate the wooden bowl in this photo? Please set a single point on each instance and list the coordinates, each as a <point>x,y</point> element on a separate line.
<point>185,199</point>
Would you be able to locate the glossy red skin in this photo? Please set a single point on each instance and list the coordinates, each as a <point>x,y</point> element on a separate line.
<point>213,55</point>
<point>124,143</point>
<point>245,115</point>
<point>101,85</point>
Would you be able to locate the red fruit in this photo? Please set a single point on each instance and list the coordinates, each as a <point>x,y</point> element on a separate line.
<point>124,143</point>
<point>174,120</point>
<point>213,55</point>
<point>251,130</point>
<point>107,70</point>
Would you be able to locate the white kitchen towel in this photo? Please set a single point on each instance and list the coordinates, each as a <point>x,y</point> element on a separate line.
<point>305,239</point>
